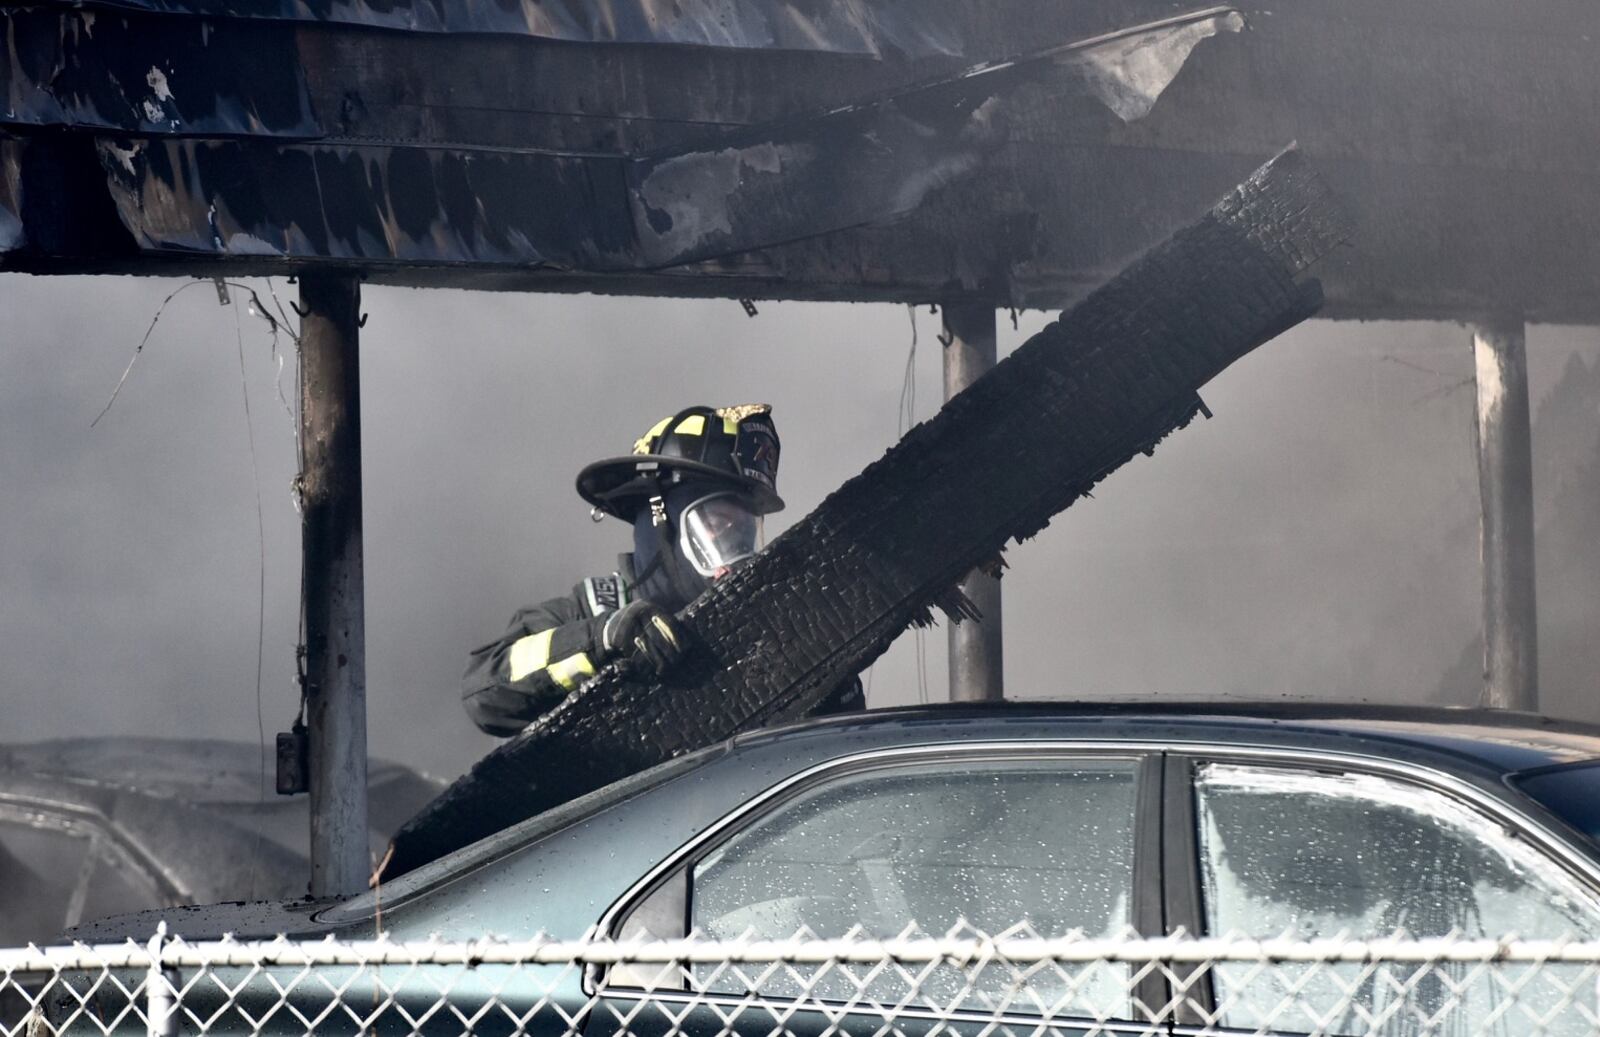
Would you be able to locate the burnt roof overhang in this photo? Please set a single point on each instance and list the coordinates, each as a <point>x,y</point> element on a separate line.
<point>620,150</point>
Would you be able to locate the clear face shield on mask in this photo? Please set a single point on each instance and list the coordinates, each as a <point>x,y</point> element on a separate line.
<point>717,532</point>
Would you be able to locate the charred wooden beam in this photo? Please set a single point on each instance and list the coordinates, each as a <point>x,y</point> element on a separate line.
<point>1107,381</point>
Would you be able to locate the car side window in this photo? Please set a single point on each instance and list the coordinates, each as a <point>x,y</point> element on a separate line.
<point>930,849</point>
<point>1305,855</point>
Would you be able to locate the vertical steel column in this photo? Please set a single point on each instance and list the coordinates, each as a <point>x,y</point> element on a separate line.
<point>976,669</point>
<point>336,673</point>
<point>1505,485</point>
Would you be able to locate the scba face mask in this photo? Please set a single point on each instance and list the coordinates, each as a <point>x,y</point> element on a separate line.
<point>717,532</point>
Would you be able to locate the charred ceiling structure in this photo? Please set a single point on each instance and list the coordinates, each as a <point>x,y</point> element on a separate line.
<point>977,155</point>
<point>795,148</point>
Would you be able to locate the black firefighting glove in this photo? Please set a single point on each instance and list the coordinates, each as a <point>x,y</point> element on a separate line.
<point>648,630</point>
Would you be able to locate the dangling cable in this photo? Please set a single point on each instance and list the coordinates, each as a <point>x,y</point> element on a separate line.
<point>908,418</point>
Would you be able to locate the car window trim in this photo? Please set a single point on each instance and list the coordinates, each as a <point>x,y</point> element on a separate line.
<point>1148,913</point>
<point>773,798</point>
<point>1180,870</point>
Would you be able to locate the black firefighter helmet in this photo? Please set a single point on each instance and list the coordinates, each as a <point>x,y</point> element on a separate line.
<point>735,447</point>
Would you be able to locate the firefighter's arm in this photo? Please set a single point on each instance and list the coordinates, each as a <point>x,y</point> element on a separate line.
<point>547,652</point>
<point>551,649</point>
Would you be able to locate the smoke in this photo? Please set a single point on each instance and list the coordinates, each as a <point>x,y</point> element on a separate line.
<point>1306,543</point>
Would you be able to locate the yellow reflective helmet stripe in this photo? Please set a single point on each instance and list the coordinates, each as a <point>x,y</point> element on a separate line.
<point>695,424</point>
<point>642,444</point>
<point>529,654</point>
<point>569,672</point>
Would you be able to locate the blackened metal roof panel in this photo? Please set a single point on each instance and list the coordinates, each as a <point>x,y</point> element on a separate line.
<point>763,186</point>
<point>389,205</point>
<point>908,28</point>
<point>1374,90</point>
<point>405,205</point>
<point>106,71</point>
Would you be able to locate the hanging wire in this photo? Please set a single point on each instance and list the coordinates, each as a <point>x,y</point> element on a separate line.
<point>908,418</point>
<point>140,347</point>
<point>261,544</point>
<point>289,327</point>
<point>276,322</point>
<point>298,494</point>
<point>256,309</point>
<point>908,382</point>
<point>261,584</point>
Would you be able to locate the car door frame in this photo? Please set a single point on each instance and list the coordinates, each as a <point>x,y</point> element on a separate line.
<point>1184,896</point>
<point>1147,907</point>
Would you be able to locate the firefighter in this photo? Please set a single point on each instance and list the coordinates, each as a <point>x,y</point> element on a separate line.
<point>694,490</point>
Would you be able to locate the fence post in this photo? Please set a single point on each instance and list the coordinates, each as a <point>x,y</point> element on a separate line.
<point>160,997</point>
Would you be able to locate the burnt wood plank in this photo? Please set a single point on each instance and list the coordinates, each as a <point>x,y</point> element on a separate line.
<point>1105,382</point>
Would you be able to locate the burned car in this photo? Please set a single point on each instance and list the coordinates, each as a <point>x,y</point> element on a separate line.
<point>91,827</point>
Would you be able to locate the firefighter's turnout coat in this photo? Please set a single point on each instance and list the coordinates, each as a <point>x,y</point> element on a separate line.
<point>553,647</point>
<point>548,650</point>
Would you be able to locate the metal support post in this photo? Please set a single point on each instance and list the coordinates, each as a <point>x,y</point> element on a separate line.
<point>1505,485</point>
<point>330,490</point>
<point>976,670</point>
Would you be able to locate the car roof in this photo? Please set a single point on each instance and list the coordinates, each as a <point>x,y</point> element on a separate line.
<point>1498,740</point>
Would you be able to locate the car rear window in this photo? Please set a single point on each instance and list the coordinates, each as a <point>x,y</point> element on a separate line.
<point>1572,793</point>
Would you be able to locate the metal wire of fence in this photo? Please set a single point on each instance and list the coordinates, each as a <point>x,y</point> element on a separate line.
<point>966,984</point>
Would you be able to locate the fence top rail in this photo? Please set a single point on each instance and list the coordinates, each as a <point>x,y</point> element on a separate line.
<point>958,950</point>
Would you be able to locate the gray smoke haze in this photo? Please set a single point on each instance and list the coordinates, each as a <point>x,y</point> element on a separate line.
<point>1317,539</point>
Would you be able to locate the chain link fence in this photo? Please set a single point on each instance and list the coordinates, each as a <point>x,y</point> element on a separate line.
<point>965,984</point>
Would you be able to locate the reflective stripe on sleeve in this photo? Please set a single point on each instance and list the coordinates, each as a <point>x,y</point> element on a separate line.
<point>529,654</point>
<point>569,672</point>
